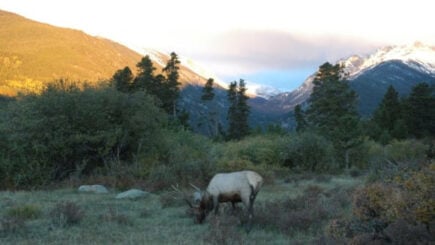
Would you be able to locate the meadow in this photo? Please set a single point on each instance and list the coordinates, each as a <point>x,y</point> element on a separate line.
<point>66,216</point>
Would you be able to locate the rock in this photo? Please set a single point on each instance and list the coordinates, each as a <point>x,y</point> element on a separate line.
<point>132,194</point>
<point>98,189</point>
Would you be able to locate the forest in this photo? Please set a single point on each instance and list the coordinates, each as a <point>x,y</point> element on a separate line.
<point>130,131</point>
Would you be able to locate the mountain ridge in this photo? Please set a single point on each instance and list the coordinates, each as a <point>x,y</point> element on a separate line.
<point>416,58</point>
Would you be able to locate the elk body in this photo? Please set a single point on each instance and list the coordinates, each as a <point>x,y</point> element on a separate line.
<point>234,187</point>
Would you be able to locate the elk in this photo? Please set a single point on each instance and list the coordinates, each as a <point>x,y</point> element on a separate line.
<point>234,187</point>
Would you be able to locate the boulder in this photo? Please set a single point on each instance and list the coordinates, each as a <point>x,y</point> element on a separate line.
<point>98,189</point>
<point>132,194</point>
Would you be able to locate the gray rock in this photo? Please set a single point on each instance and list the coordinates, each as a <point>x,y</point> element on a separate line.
<point>132,194</point>
<point>98,189</point>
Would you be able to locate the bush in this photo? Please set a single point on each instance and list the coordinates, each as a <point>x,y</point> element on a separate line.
<point>406,150</point>
<point>185,158</point>
<point>66,214</point>
<point>309,151</point>
<point>24,212</point>
<point>307,213</point>
<point>399,208</point>
<point>66,129</point>
<point>255,151</point>
<point>114,216</point>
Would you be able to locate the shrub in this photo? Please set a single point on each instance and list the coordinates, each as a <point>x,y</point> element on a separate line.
<point>10,225</point>
<point>114,216</point>
<point>67,128</point>
<point>24,212</point>
<point>406,150</point>
<point>185,158</point>
<point>309,151</point>
<point>259,153</point>
<point>307,213</point>
<point>66,214</point>
<point>223,230</point>
<point>401,208</point>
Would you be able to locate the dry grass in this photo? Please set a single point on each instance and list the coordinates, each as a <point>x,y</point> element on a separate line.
<point>103,219</point>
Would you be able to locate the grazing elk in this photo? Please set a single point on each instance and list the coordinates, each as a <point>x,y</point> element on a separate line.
<point>242,186</point>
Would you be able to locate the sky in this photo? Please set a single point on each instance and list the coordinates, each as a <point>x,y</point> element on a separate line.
<point>275,43</point>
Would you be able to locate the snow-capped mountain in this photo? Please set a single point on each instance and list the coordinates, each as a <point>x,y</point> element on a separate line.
<point>400,66</point>
<point>418,56</point>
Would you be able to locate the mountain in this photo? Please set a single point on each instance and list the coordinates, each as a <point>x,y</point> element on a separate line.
<point>33,53</point>
<point>400,66</point>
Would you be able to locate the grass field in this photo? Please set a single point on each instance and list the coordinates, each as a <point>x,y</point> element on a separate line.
<point>65,216</point>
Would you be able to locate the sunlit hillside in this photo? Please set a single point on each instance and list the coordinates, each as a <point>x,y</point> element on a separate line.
<point>32,53</point>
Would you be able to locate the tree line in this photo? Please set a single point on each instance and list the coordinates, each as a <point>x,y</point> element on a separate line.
<point>165,88</point>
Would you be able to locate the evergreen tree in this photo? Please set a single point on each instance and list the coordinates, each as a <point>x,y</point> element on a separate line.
<point>122,79</point>
<point>145,79</point>
<point>172,90</point>
<point>301,123</point>
<point>232,111</point>
<point>243,109</point>
<point>238,111</point>
<point>332,111</point>
<point>388,115</point>
<point>420,111</point>
<point>207,91</point>
<point>211,120</point>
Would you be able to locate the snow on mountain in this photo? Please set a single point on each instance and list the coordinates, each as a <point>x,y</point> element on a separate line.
<point>259,90</point>
<point>156,56</point>
<point>200,70</point>
<point>418,55</point>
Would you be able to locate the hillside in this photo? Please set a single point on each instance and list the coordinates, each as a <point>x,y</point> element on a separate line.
<point>33,53</point>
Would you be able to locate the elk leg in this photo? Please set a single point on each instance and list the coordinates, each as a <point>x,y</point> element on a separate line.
<point>252,197</point>
<point>251,202</point>
<point>216,205</point>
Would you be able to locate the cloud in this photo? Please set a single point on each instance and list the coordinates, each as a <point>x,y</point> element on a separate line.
<point>246,51</point>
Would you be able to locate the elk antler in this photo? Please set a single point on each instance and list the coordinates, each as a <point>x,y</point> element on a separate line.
<point>195,187</point>
<point>185,196</point>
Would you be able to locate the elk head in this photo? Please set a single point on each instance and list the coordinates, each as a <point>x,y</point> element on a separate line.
<point>197,202</point>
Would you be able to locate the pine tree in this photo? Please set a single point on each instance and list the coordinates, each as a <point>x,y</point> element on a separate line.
<point>172,90</point>
<point>122,80</point>
<point>243,109</point>
<point>207,91</point>
<point>388,114</point>
<point>211,119</point>
<point>301,123</point>
<point>232,111</point>
<point>238,111</point>
<point>332,111</point>
<point>420,111</point>
<point>145,79</point>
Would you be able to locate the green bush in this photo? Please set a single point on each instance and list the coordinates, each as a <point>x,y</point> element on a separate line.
<point>64,129</point>
<point>24,212</point>
<point>261,153</point>
<point>184,158</point>
<point>406,150</point>
<point>309,151</point>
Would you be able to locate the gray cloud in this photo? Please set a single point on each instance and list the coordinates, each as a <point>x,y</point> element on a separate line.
<point>253,50</point>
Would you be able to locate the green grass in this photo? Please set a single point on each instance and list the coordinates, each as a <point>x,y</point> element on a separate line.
<point>106,220</point>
